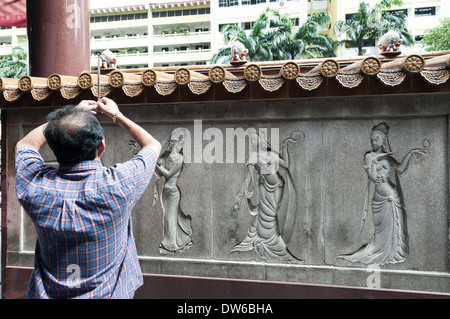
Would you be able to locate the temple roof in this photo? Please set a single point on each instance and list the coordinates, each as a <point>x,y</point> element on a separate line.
<point>364,75</point>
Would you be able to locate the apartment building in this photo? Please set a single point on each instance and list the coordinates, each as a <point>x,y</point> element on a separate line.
<point>187,32</point>
<point>175,33</point>
<point>421,15</point>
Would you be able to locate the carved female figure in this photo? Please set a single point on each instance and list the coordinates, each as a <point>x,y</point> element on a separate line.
<point>265,183</point>
<point>177,225</point>
<point>390,239</point>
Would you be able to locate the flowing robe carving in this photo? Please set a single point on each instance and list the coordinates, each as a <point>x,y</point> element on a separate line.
<point>390,239</point>
<point>268,186</point>
<point>177,226</point>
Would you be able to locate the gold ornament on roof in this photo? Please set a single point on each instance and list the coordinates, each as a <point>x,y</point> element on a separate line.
<point>290,70</point>
<point>371,66</point>
<point>149,77</point>
<point>414,63</point>
<point>329,68</point>
<point>85,80</point>
<point>252,72</point>
<point>54,82</point>
<point>116,79</point>
<point>25,83</point>
<point>182,76</point>
<point>217,74</point>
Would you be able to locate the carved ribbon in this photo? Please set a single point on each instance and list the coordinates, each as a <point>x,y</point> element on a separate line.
<point>438,75</point>
<point>271,83</point>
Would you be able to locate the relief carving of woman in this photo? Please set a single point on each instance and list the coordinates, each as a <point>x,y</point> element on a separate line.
<point>177,225</point>
<point>390,240</point>
<point>265,186</point>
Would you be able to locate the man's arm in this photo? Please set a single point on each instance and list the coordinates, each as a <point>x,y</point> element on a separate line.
<point>141,136</point>
<point>34,139</point>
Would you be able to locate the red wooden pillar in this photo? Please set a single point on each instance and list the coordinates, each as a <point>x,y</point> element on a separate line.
<point>58,37</point>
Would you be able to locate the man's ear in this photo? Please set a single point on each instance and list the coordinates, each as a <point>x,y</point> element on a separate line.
<point>101,148</point>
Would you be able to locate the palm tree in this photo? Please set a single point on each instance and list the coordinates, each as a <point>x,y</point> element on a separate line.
<point>12,65</point>
<point>273,37</point>
<point>255,42</point>
<point>369,24</point>
<point>307,41</point>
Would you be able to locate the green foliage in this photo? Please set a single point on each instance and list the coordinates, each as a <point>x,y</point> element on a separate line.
<point>177,29</point>
<point>13,65</point>
<point>437,38</point>
<point>274,37</point>
<point>369,24</point>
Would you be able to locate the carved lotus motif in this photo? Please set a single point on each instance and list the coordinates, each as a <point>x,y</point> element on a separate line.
<point>217,74</point>
<point>25,83</point>
<point>329,68</point>
<point>252,72</point>
<point>54,82</point>
<point>149,78</point>
<point>290,70</point>
<point>182,76</point>
<point>116,79</point>
<point>414,63</point>
<point>371,66</point>
<point>85,81</point>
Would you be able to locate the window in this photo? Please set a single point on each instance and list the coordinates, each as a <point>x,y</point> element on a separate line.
<point>422,12</point>
<point>247,25</point>
<point>404,11</point>
<point>350,16</point>
<point>120,17</point>
<point>228,3</point>
<point>177,13</point>
<point>252,2</point>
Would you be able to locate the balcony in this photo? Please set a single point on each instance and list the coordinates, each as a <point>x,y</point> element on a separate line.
<point>126,59</point>
<point>119,42</point>
<point>112,25</point>
<point>180,38</point>
<point>319,4</point>
<point>5,49</point>
<point>188,55</point>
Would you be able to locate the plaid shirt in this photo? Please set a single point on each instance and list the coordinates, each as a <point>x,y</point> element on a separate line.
<point>82,215</point>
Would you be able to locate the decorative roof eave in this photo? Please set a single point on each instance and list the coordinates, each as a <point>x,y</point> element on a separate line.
<point>433,68</point>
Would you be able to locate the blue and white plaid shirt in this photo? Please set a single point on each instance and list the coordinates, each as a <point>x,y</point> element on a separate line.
<point>82,215</point>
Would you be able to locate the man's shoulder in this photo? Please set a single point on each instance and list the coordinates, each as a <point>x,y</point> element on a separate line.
<point>26,156</point>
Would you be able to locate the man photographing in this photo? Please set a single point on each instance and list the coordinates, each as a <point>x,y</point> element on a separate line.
<point>82,210</point>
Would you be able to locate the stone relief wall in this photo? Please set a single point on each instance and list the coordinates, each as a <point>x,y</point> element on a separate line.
<point>340,193</point>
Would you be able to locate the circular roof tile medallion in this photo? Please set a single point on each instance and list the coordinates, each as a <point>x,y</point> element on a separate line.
<point>414,63</point>
<point>252,72</point>
<point>54,82</point>
<point>217,74</point>
<point>149,77</point>
<point>2,84</point>
<point>290,70</point>
<point>371,66</point>
<point>85,80</point>
<point>116,79</point>
<point>182,76</point>
<point>329,68</point>
<point>25,83</point>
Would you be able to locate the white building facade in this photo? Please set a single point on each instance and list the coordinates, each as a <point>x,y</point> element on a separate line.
<point>177,33</point>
